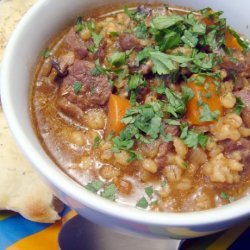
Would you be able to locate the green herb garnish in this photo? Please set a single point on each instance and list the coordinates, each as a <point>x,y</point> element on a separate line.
<point>206,115</point>
<point>239,106</point>
<point>77,86</point>
<point>142,203</point>
<point>176,105</point>
<point>98,70</point>
<point>149,191</point>
<point>192,138</point>
<point>79,25</point>
<point>97,142</point>
<point>109,192</point>
<point>118,59</point>
<point>46,53</point>
<point>164,22</point>
<point>135,81</point>
<point>94,186</point>
<point>141,31</point>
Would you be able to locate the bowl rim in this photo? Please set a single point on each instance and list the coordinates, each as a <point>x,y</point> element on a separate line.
<point>230,212</point>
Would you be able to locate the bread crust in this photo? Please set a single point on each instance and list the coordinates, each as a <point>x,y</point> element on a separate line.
<point>21,188</point>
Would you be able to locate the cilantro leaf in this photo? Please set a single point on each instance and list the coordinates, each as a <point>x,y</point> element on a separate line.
<point>188,93</point>
<point>98,70</point>
<point>97,142</point>
<point>239,105</point>
<point>134,14</point>
<point>109,192</point>
<point>176,104</point>
<point>143,54</point>
<point>224,195</point>
<point>191,138</point>
<point>162,64</point>
<point>114,33</point>
<point>77,86</point>
<point>94,186</point>
<point>173,122</point>
<point>90,25</point>
<point>141,31</point>
<point>206,115</point>
<point>154,129</point>
<point>204,61</point>
<point>164,22</point>
<point>79,25</point>
<point>135,81</point>
<point>97,39</point>
<point>190,39</point>
<point>202,140</point>
<point>142,203</point>
<point>46,53</point>
<point>167,40</point>
<point>118,59</point>
<point>149,191</point>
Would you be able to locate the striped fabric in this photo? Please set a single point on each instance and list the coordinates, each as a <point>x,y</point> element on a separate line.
<point>17,233</point>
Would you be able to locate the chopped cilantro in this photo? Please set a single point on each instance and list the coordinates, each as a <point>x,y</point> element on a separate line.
<point>164,22</point>
<point>77,86</point>
<point>208,95</point>
<point>135,81</point>
<point>141,31</point>
<point>173,122</point>
<point>92,88</point>
<point>97,39</point>
<point>143,123</point>
<point>94,186</point>
<point>46,53</point>
<point>176,105</point>
<point>211,39</point>
<point>189,39</point>
<point>191,138</point>
<point>184,164</point>
<point>114,34</point>
<point>109,192</point>
<point>144,54</point>
<point>91,25</point>
<point>134,14</point>
<point>188,93</point>
<point>206,115</point>
<point>167,40</point>
<point>97,142</point>
<point>98,70</point>
<point>203,61</point>
<point>239,105</point>
<point>118,59</point>
<point>224,195</point>
<point>142,203</point>
<point>162,64</point>
<point>149,191</point>
<point>110,135</point>
<point>79,25</point>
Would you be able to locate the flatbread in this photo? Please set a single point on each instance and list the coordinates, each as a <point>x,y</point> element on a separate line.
<point>21,189</point>
<point>11,11</point>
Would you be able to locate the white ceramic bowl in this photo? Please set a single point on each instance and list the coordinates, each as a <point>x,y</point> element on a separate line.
<point>39,25</point>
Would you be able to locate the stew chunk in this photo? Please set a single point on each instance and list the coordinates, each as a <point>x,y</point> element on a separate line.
<point>81,90</point>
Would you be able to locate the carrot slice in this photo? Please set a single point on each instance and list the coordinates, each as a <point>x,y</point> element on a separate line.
<point>203,93</point>
<point>231,41</point>
<point>117,107</point>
